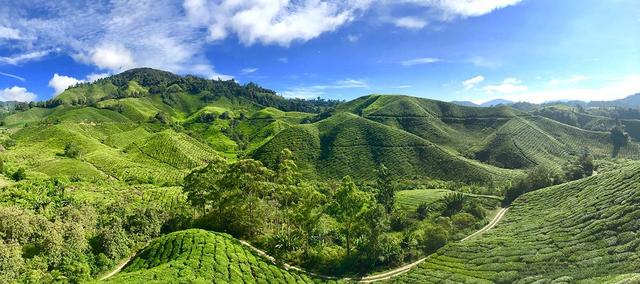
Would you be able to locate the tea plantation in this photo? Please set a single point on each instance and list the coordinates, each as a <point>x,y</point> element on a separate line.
<point>198,256</point>
<point>582,231</point>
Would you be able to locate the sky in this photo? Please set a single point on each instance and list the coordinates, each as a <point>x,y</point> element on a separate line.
<point>475,50</point>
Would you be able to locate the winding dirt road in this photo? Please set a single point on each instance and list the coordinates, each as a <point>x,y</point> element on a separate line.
<point>118,268</point>
<point>368,279</point>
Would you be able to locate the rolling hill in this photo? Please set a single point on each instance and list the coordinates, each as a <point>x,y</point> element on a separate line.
<point>198,256</point>
<point>582,231</point>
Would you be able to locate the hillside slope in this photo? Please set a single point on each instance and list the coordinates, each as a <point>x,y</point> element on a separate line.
<point>585,230</point>
<point>346,144</point>
<point>198,256</point>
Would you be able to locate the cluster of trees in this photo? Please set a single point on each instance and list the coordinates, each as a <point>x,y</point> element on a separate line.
<point>330,227</point>
<point>542,176</point>
<point>46,236</point>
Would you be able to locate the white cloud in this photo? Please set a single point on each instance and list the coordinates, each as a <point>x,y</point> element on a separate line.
<point>246,71</point>
<point>279,22</point>
<point>173,35</point>
<point>283,59</point>
<point>470,83</point>
<point>60,82</point>
<point>16,93</point>
<point>24,57</point>
<point>9,33</point>
<point>109,56</point>
<point>462,8</point>
<point>508,86</point>
<point>302,93</point>
<point>306,92</point>
<point>614,88</point>
<point>353,38</point>
<point>571,80</point>
<point>13,76</point>
<point>419,61</point>
<point>411,23</point>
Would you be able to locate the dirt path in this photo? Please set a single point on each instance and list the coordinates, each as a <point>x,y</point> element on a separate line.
<point>368,279</point>
<point>489,226</point>
<point>118,268</point>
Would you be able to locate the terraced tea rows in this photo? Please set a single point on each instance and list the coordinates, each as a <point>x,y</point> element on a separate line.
<point>201,256</point>
<point>578,231</point>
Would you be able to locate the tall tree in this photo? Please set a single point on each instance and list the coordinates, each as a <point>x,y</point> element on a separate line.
<point>386,193</point>
<point>349,207</point>
<point>201,186</point>
<point>619,138</point>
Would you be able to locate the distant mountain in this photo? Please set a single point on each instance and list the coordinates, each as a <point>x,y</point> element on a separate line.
<point>632,101</point>
<point>464,103</point>
<point>496,102</point>
<point>485,104</point>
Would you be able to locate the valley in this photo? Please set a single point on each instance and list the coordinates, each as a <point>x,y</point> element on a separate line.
<point>147,176</point>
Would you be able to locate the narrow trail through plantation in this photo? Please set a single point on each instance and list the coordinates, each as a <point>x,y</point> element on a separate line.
<point>368,279</point>
<point>117,268</point>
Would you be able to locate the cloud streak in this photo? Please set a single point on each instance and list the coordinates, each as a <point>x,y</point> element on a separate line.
<point>419,61</point>
<point>13,76</point>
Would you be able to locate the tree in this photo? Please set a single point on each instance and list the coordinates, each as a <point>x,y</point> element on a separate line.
<point>349,207</point>
<point>453,203</point>
<point>582,167</point>
<point>619,138</point>
<point>432,237</point>
<point>71,150</point>
<point>386,192</point>
<point>538,177</point>
<point>201,186</point>
<point>376,221</point>
<point>243,186</point>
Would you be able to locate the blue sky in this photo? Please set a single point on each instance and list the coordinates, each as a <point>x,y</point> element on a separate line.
<point>523,50</point>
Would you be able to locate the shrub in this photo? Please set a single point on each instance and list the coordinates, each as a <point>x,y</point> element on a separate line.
<point>462,220</point>
<point>432,237</point>
<point>71,150</point>
<point>422,210</point>
<point>19,175</point>
<point>399,220</point>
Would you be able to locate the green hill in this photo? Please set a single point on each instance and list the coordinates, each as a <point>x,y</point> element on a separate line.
<point>198,256</point>
<point>346,144</point>
<point>582,231</point>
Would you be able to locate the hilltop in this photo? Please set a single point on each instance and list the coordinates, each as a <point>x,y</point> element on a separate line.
<point>201,256</point>
<point>130,115</point>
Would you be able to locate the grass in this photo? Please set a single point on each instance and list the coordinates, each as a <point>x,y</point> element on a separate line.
<point>198,256</point>
<point>581,231</point>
